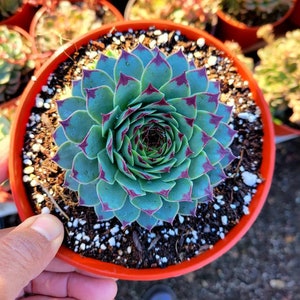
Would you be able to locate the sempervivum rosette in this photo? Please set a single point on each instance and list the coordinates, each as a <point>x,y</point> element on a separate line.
<point>144,137</point>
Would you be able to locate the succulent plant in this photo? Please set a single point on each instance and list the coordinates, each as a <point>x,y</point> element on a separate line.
<point>261,11</point>
<point>278,75</point>
<point>15,62</point>
<point>68,20</point>
<point>187,12</point>
<point>8,8</point>
<point>143,137</point>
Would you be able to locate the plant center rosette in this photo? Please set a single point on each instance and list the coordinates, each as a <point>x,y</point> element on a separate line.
<point>143,137</point>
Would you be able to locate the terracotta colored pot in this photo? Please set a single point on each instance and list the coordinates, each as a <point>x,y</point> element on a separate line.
<point>295,15</point>
<point>230,29</point>
<point>284,130</point>
<point>22,17</point>
<point>32,29</point>
<point>109,269</point>
<point>7,109</point>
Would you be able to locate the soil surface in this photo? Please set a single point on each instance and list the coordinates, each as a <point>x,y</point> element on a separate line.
<point>265,264</point>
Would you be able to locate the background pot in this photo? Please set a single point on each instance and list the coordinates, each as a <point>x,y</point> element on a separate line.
<point>209,26</point>
<point>295,15</point>
<point>230,29</point>
<point>284,130</point>
<point>107,269</point>
<point>22,17</point>
<point>42,56</point>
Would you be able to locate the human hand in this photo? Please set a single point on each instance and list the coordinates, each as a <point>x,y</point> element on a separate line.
<point>28,267</point>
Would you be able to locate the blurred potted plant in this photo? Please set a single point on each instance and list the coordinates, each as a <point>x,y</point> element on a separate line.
<point>53,26</point>
<point>240,20</point>
<point>278,75</point>
<point>16,12</point>
<point>7,112</point>
<point>16,67</point>
<point>156,155</point>
<point>16,61</point>
<point>200,14</point>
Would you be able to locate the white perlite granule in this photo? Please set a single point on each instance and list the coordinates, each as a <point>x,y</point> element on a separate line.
<point>249,179</point>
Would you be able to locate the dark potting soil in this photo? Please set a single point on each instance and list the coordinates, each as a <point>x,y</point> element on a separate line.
<point>134,246</point>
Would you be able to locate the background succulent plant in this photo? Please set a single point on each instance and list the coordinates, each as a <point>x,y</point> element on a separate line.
<point>278,75</point>
<point>9,7</point>
<point>15,62</point>
<point>143,137</point>
<point>247,10</point>
<point>187,12</point>
<point>66,20</point>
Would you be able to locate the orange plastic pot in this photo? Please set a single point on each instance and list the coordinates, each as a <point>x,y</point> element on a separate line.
<point>284,130</point>
<point>41,57</point>
<point>108,269</point>
<point>22,17</point>
<point>232,30</point>
<point>295,15</point>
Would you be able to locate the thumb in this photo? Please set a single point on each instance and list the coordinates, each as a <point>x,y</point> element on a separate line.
<point>26,251</point>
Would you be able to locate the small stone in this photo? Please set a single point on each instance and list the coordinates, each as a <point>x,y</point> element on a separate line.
<point>200,42</point>
<point>212,60</point>
<point>45,210</point>
<point>277,284</point>
<point>28,170</point>
<point>249,179</point>
<point>224,220</point>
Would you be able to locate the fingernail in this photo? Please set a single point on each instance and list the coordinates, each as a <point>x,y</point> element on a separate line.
<point>48,226</point>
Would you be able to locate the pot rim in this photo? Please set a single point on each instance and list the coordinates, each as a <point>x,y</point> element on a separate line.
<point>110,269</point>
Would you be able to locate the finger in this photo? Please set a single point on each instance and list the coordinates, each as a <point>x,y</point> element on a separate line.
<point>26,251</point>
<point>81,287</point>
<point>58,265</point>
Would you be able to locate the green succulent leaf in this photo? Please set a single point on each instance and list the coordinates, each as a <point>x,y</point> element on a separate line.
<point>197,80</point>
<point>93,142</point>
<point>128,214</point>
<point>157,65</point>
<point>182,191</point>
<point>65,154</point>
<point>76,133</point>
<point>99,101</point>
<point>95,78</point>
<point>70,182</point>
<point>106,63</point>
<point>59,136</point>
<point>128,64</point>
<point>87,194</point>
<point>147,221</point>
<point>178,62</point>
<point>167,212</point>
<point>70,105</point>
<point>112,196</point>
<point>84,170</point>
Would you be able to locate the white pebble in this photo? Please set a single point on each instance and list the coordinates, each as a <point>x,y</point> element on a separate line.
<point>103,247</point>
<point>45,210</point>
<point>201,42</point>
<point>224,220</point>
<point>249,179</point>
<point>245,210</point>
<point>28,170</point>
<point>114,230</point>
<point>112,241</point>
<point>212,60</point>
<point>39,102</point>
